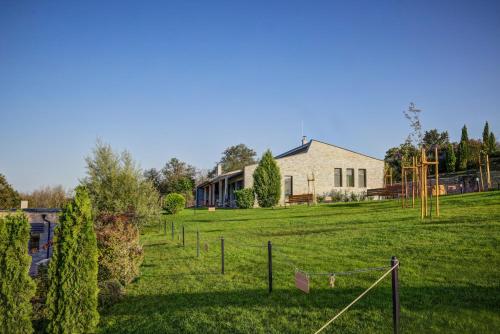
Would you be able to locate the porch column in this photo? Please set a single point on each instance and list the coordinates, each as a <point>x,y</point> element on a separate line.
<point>220,192</point>
<point>226,188</point>
<point>210,194</point>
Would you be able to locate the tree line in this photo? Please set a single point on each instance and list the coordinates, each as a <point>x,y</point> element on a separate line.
<point>453,156</point>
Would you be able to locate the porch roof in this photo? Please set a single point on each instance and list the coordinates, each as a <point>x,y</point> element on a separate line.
<point>220,177</point>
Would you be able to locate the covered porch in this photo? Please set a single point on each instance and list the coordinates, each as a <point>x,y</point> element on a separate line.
<point>219,191</point>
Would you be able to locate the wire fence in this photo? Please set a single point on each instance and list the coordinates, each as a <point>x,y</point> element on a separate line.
<point>251,258</point>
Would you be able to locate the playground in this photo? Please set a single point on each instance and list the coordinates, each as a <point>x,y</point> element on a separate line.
<point>448,272</point>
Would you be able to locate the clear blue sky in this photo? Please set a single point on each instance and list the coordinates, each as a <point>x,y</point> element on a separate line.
<point>186,79</point>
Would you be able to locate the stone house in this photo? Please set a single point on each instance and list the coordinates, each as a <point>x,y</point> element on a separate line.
<point>314,167</point>
<point>42,222</point>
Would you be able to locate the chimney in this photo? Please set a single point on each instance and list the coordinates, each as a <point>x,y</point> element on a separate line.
<point>219,169</point>
<point>304,140</point>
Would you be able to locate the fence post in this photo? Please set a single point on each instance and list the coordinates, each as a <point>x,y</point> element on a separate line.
<point>183,242</point>
<point>197,243</point>
<point>395,295</point>
<point>165,227</point>
<point>270,265</point>
<point>222,254</point>
<point>173,231</point>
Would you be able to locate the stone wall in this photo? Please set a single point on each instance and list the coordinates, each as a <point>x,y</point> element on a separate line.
<point>321,159</point>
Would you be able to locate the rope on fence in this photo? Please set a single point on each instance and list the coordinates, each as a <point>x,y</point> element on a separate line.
<point>345,273</point>
<point>355,300</point>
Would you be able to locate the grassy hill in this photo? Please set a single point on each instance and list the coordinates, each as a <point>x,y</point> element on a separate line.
<point>449,274</point>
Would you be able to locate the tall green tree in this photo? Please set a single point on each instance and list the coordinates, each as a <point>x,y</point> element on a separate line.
<point>396,156</point>
<point>492,143</point>
<point>179,177</point>
<point>434,138</point>
<point>267,181</point>
<point>16,286</point>
<point>116,186</point>
<point>486,138</point>
<point>9,198</point>
<point>451,159</point>
<point>72,295</point>
<point>463,150</point>
<point>237,157</point>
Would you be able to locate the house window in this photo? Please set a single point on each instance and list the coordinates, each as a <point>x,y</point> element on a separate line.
<point>338,177</point>
<point>350,177</point>
<point>288,186</point>
<point>362,178</point>
<point>34,242</point>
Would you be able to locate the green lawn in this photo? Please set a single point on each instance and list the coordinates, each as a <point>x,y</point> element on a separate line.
<point>449,274</point>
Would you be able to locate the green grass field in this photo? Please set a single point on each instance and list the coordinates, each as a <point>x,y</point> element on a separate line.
<point>449,273</point>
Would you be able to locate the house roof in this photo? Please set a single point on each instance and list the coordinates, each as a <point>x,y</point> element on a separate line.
<point>304,148</point>
<point>34,210</point>
<point>299,149</point>
<point>220,177</point>
<point>346,149</point>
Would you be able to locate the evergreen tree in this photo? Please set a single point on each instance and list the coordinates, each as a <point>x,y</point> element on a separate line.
<point>492,143</point>
<point>16,286</point>
<point>9,198</point>
<point>267,181</point>
<point>72,296</point>
<point>486,138</point>
<point>451,159</point>
<point>463,150</point>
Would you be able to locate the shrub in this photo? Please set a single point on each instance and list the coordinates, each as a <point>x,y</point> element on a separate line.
<point>120,254</point>
<point>110,292</point>
<point>116,186</point>
<point>336,195</point>
<point>72,296</point>
<point>267,181</point>
<point>174,203</point>
<point>245,198</point>
<point>39,308</point>
<point>16,287</point>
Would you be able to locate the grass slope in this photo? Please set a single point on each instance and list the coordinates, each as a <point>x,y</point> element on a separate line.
<point>449,275</point>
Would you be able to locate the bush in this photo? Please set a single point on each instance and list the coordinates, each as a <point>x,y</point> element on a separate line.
<point>72,296</point>
<point>110,292</point>
<point>174,203</point>
<point>267,181</point>
<point>39,317</point>
<point>245,198</point>
<point>120,254</point>
<point>16,287</point>
<point>117,186</point>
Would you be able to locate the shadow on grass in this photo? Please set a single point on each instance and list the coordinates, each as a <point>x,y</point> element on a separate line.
<point>414,298</point>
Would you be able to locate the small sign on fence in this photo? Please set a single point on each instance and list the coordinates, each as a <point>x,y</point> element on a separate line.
<point>302,281</point>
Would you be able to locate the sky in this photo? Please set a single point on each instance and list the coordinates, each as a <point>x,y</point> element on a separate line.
<point>187,79</point>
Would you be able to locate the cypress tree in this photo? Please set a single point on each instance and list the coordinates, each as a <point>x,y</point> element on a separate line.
<point>16,286</point>
<point>267,181</point>
<point>492,143</point>
<point>463,150</point>
<point>72,296</point>
<point>451,159</point>
<point>486,137</point>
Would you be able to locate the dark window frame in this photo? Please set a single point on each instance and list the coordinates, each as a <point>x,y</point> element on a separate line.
<point>362,178</point>
<point>291,185</point>
<point>348,184</point>
<point>335,177</point>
